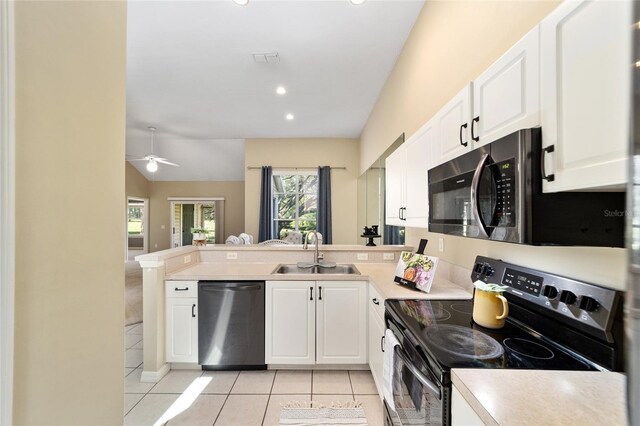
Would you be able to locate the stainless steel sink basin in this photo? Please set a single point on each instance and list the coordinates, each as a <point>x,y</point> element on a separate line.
<point>346,269</point>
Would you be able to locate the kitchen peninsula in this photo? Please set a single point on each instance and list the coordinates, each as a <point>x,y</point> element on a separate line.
<point>190,264</point>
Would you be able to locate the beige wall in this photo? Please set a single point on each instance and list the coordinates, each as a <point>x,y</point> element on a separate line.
<point>136,185</point>
<point>160,214</point>
<point>451,44</point>
<point>70,140</point>
<point>308,153</point>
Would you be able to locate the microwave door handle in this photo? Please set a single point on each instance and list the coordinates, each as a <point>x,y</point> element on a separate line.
<point>426,382</point>
<point>475,202</point>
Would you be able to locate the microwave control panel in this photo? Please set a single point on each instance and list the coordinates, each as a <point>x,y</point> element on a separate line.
<point>504,174</point>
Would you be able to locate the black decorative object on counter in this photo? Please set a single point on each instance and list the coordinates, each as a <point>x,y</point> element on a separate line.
<point>371,233</point>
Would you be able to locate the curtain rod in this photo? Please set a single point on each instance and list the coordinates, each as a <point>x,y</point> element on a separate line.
<point>295,168</point>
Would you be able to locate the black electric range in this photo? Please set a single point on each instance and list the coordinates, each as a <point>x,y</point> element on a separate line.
<point>554,323</point>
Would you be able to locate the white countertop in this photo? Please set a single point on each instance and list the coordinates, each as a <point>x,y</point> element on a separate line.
<point>380,274</point>
<point>543,397</point>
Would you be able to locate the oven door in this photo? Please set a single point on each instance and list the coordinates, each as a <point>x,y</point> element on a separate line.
<point>419,398</point>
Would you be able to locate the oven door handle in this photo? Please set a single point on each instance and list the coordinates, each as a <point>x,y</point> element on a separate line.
<point>426,382</point>
<point>475,201</point>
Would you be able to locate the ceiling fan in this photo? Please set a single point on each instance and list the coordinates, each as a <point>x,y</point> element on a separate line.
<point>151,159</point>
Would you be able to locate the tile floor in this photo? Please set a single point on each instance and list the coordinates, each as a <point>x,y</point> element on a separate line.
<point>195,397</point>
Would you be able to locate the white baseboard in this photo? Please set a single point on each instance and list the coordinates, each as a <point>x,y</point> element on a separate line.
<point>185,366</point>
<point>318,367</point>
<point>154,376</point>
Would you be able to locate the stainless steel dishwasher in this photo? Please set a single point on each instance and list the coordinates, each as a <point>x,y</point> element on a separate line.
<point>231,325</point>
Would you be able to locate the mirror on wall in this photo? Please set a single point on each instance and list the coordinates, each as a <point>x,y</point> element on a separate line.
<point>371,200</point>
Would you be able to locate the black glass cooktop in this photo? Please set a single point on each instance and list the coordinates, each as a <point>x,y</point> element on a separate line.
<point>447,334</point>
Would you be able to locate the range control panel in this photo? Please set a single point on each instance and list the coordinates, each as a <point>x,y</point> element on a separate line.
<point>578,301</point>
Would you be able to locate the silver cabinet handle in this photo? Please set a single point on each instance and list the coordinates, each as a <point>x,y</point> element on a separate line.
<point>475,202</point>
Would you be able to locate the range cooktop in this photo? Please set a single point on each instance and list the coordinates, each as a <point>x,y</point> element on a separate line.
<point>446,332</point>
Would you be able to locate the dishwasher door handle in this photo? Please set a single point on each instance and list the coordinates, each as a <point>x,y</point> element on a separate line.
<point>232,287</point>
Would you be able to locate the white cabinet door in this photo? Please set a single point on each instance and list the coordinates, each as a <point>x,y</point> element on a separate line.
<point>461,412</point>
<point>342,322</point>
<point>585,81</point>
<point>506,97</point>
<point>182,329</point>
<point>376,355</point>
<point>417,153</point>
<point>394,186</point>
<point>453,125</point>
<point>290,322</point>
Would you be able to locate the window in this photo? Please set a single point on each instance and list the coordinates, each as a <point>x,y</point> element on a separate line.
<point>295,202</point>
<point>134,218</point>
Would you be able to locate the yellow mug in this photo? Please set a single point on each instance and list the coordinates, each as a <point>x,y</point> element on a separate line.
<point>490,309</point>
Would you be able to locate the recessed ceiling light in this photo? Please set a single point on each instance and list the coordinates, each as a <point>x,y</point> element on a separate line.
<point>241,2</point>
<point>281,90</point>
<point>289,116</point>
<point>357,1</point>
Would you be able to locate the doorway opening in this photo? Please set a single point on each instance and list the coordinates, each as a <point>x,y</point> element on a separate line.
<point>188,214</point>
<point>137,230</point>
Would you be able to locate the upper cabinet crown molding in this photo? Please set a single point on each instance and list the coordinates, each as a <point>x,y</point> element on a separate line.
<point>585,91</point>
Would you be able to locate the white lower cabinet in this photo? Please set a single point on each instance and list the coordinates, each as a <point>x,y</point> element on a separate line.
<point>376,333</point>
<point>181,322</point>
<point>461,412</point>
<point>290,322</point>
<point>309,322</point>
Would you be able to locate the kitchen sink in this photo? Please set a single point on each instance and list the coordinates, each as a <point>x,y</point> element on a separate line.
<point>346,269</point>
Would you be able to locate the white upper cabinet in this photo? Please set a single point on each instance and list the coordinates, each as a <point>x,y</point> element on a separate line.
<point>406,198</point>
<point>585,87</point>
<point>418,159</point>
<point>394,186</point>
<point>506,97</point>
<point>453,127</point>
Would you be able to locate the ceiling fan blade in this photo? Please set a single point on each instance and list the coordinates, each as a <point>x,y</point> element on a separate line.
<point>137,159</point>
<point>164,161</point>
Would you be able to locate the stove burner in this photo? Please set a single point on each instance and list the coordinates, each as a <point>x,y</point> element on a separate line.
<point>462,308</point>
<point>528,348</point>
<point>464,342</point>
<point>426,314</point>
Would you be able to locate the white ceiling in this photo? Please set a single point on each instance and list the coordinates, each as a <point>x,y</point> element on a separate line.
<point>190,73</point>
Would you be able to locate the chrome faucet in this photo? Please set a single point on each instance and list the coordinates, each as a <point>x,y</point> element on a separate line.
<point>317,256</point>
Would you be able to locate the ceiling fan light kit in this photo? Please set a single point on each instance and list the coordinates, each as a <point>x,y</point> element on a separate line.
<point>152,159</point>
<point>152,166</point>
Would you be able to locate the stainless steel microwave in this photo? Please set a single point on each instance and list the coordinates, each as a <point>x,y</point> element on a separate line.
<point>495,192</point>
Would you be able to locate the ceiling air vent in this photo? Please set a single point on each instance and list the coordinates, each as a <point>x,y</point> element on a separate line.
<point>271,57</point>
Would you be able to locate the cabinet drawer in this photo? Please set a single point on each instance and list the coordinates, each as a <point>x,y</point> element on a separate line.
<point>181,288</point>
<point>376,302</point>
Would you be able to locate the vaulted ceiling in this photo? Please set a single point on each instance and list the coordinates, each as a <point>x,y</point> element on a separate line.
<point>192,74</point>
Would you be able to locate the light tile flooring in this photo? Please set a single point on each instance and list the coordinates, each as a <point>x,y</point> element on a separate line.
<point>194,397</point>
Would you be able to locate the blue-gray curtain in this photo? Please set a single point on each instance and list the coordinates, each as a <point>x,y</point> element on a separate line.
<point>324,203</point>
<point>265,229</point>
